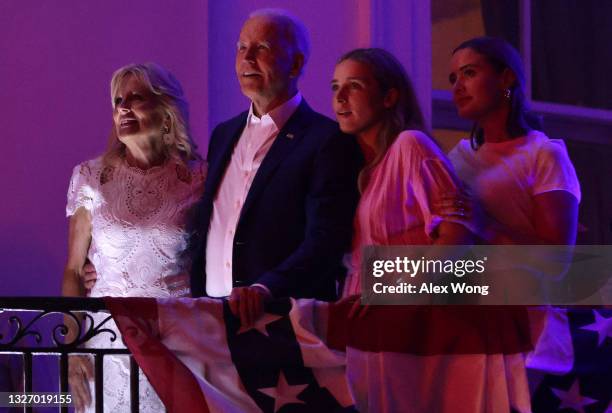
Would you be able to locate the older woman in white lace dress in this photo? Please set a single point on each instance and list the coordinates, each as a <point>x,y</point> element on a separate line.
<point>127,212</point>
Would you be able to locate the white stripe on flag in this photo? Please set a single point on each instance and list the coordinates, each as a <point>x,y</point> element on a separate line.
<point>309,322</point>
<point>553,352</point>
<point>194,330</point>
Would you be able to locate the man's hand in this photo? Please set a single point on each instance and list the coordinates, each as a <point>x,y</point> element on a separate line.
<point>177,284</point>
<point>89,275</point>
<point>248,303</point>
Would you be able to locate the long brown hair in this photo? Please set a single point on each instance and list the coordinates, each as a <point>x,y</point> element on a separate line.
<point>405,114</point>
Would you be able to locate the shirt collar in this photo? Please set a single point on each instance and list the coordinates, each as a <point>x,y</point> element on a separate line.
<point>279,115</point>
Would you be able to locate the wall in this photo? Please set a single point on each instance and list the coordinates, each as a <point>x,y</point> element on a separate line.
<point>332,33</point>
<point>57,60</point>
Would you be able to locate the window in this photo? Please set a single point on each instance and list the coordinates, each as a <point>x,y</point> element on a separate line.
<point>565,48</point>
<point>568,62</point>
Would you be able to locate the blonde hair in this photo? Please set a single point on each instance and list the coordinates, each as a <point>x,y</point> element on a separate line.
<point>172,103</point>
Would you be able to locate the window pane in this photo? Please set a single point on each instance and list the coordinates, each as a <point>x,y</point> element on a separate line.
<point>571,53</point>
<point>452,21</point>
<point>447,139</point>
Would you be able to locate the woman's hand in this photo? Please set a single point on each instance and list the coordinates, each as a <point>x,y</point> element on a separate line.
<point>89,275</point>
<point>463,207</point>
<point>461,204</point>
<point>80,373</point>
<point>177,284</point>
<point>357,310</point>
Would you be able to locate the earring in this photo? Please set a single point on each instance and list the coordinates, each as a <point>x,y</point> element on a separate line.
<point>166,135</point>
<point>507,93</point>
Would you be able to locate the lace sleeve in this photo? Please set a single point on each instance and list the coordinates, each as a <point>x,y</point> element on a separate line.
<point>80,191</point>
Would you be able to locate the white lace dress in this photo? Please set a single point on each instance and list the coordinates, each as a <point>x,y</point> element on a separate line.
<point>138,221</point>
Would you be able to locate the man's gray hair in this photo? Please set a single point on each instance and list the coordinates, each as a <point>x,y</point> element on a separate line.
<point>296,30</point>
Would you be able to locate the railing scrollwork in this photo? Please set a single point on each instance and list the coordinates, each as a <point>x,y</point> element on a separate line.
<point>78,310</point>
<point>41,325</point>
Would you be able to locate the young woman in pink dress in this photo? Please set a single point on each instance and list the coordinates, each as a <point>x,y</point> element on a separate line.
<point>405,170</point>
<point>405,175</point>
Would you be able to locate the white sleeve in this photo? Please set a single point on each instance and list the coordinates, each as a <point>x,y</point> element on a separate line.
<point>80,191</point>
<point>554,170</point>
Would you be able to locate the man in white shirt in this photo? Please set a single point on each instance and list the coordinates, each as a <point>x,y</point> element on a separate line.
<point>276,214</point>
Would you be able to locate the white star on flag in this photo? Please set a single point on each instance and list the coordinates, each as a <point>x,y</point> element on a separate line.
<point>284,393</point>
<point>603,327</point>
<point>572,398</point>
<point>260,324</point>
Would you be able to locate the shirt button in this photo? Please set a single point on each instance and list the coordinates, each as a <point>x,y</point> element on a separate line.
<point>227,264</point>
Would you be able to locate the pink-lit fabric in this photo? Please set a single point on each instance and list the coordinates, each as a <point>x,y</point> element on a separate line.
<point>506,176</point>
<point>138,238</point>
<point>395,208</point>
<point>251,149</point>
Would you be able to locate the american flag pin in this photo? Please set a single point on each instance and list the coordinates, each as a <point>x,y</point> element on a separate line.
<point>290,135</point>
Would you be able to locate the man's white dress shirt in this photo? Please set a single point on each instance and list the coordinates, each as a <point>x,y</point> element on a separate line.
<point>253,145</point>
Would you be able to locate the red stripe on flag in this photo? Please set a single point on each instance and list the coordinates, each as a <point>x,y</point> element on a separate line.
<point>173,382</point>
<point>429,330</point>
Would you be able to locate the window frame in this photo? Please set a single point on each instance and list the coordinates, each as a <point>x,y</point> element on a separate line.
<point>560,120</point>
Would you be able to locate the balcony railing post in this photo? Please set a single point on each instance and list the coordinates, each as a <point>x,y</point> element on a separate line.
<point>63,377</point>
<point>99,382</point>
<point>134,386</point>
<point>27,375</point>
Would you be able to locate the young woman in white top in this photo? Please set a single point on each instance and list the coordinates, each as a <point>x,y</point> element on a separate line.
<point>523,183</point>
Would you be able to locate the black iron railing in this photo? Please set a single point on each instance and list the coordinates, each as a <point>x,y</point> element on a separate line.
<point>37,326</point>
